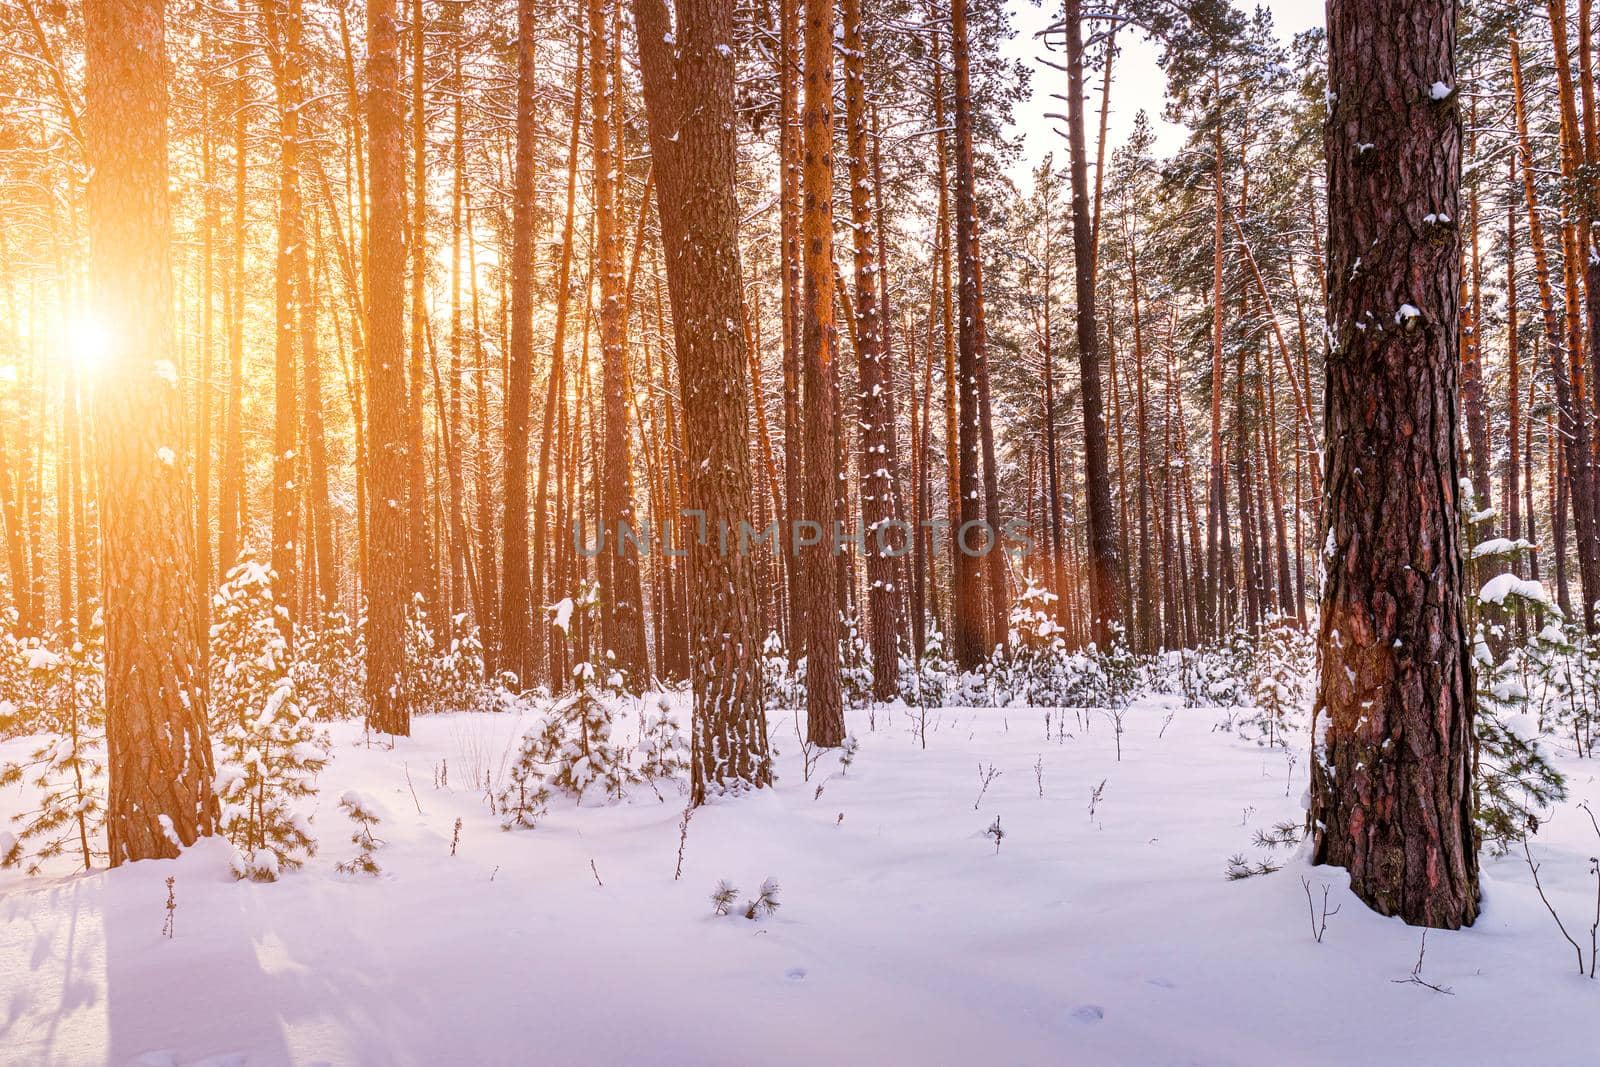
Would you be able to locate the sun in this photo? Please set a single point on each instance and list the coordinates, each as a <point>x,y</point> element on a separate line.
<point>90,343</point>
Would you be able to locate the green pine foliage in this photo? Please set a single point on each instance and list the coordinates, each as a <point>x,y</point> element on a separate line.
<point>56,689</point>
<point>269,747</point>
<point>365,817</point>
<point>1514,782</point>
<point>1280,678</point>
<point>444,668</point>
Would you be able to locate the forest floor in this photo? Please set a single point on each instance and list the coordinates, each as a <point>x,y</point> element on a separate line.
<point>1103,935</point>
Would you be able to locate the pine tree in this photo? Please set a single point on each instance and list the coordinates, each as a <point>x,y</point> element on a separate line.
<point>1395,649</point>
<point>59,694</point>
<point>159,795</point>
<point>271,747</point>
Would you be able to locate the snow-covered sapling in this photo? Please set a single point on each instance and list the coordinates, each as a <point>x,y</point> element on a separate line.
<point>362,814</point>
<point>523,801</point>
<point>1239,868</point>
<point>455,837</point>
<point>662,751</point>
<point>765,903</point>
<point>1038,773</point>
<point>1281,835</point>
<point>723,896</point>
<point>270,747</point>
<point>57,691</point>
<point>847,754</point>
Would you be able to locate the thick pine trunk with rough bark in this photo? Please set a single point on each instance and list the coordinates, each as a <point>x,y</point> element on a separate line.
<point>517,649</point>
<point>159,752</point>
<point>689,95</point>
<point>1391,785</point>
<point>388,560</point>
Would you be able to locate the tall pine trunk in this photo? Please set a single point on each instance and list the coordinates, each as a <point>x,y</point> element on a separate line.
<point>159,796</point>
<point>388,555</point>
<point>1391,789</point>
<point>816,570</point>
<point>690,99</point>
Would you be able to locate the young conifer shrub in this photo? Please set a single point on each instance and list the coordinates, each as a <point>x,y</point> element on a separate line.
<point>269,749</point>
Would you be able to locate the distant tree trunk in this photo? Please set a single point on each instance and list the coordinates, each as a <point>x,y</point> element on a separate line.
<point>1103,563</point>
<point>1216,495</point>
<point>483,453</point>
<point>1472,393</point>
<point>16,543</point>
<point>690,99</point>
<point>421,551</point>
<point>789,204</point>
<point>875,415</point>
<point>541,522</point>
<point>1052,447</point>
<point>1513,373</point>
<point>814,563</point>
<point>1147,633</point>
<point>202,416</point>
<point>516,644</point>
<point>944,242</point>
<point>621,595</point>
<point>970,610</point>
<point>159,754</point>
<point>232,527</point>
<point>460,543</point>
<point>1566,365</point>
<point>1392,790</point>
<point>283,35</point>
<point>388,563</point>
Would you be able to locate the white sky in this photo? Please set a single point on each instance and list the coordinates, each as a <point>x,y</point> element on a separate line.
<point>1137,82</point>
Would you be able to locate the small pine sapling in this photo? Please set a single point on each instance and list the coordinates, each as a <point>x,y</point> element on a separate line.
<point>723,896</point>
<point>663,754</point>
<point>270,748</point>
<point>1281,835</point>
<point>1239,868</point>
<point>1514,783</point>
<point>847,755</point>
<point>365,817</point>
<point>575,743</point>
<point>58,692</point>
<point>765,904</point>
<point>524,800</point>
<point>1279,683</point>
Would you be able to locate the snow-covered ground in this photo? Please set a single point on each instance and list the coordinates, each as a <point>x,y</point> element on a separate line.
<point>903,935</point>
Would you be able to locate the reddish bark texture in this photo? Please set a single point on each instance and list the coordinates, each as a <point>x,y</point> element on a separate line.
<point>1391,792</point>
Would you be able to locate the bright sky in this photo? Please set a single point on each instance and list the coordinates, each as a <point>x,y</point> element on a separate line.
<point>1137,80</point>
